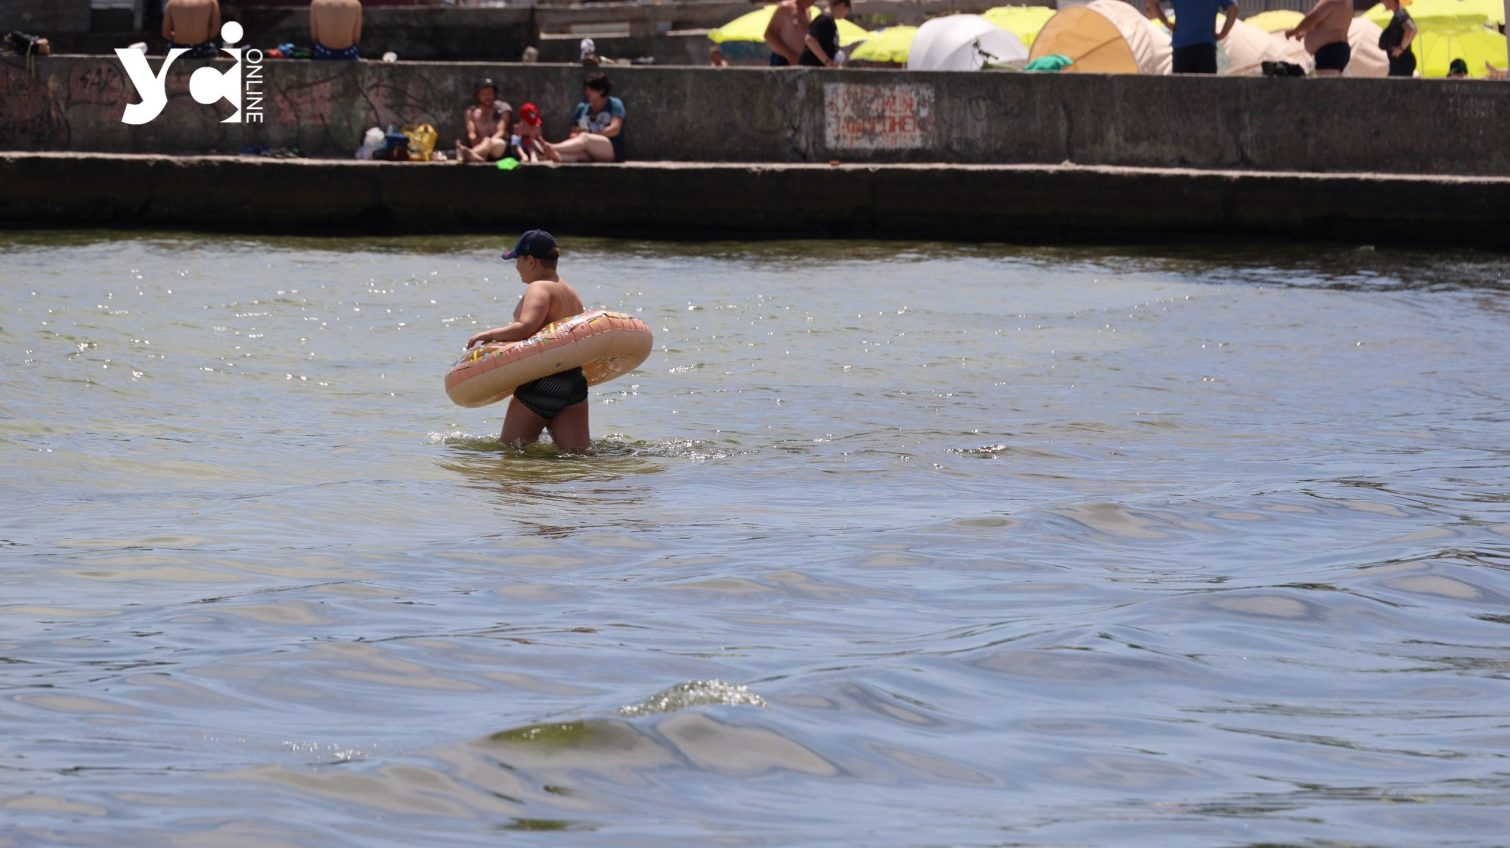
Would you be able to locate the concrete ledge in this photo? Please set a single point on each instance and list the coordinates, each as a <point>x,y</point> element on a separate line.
<point>1011,203</point>
<point>76,103</point>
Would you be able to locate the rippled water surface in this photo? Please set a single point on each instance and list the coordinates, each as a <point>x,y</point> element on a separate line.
<point>886,545</point>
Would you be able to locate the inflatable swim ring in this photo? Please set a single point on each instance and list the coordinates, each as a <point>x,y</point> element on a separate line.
<point>603,344</point>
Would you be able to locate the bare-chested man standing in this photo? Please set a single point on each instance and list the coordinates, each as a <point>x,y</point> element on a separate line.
<point>336,28</point>
<point>194,24</point>
<point>786,34</point>
<point>557,402</point>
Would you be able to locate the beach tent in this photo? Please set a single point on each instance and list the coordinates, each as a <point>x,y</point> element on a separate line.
<point>1093,43</point>
<point>887,45</point>
<point>1149,41</point>
<point>1275,20</point>
<point>1247,47</point>
<point>1367,59</point>
<point>751,27</point>
<point>1025,22</point>
<point>963,43</point>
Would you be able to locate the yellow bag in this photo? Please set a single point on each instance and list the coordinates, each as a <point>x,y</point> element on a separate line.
<point>421,141</point>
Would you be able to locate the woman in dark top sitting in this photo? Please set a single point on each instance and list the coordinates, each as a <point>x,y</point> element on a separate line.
<point>823,37</point>
<point>597,133</point>
<point>1395,41</point>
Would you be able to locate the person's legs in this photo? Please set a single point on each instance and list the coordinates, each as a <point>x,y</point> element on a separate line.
<point>1403,65</point>
<point>569,429</point>
<point>485,150</point>
<point>583,147</point>
<point>521,426</point>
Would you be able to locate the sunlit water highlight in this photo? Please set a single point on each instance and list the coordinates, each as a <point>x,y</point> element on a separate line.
<point>891,546</point>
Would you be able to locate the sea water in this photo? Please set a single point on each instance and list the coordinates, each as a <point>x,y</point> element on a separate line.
<point>885,545</point>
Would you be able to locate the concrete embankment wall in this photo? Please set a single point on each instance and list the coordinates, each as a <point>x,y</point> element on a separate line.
<point>696,201</point>
<point>75,103</point>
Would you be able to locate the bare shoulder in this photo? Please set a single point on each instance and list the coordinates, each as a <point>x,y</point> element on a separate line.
<point>565,299</point>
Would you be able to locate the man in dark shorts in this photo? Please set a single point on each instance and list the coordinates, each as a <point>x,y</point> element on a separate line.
<point>557,402</point>
<point>1195,35</point>
<point>1325,32</point>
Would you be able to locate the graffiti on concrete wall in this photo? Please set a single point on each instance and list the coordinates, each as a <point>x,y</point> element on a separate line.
<point>877,117</point>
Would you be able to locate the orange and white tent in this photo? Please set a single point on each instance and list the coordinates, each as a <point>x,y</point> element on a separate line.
<point>1105,37</point>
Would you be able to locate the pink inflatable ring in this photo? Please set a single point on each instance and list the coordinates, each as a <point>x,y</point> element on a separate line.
<point>603,344</point>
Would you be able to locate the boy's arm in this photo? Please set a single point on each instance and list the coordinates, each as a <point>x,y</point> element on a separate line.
<point>531,317</point>
<point>813,45</point>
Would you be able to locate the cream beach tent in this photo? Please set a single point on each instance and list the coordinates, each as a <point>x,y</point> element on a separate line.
<point>1149,41</point>
<point>1093,43</point>
<point>1367,59</point>
<point>963,43</point>
<point>1247,47</point>
<point>1105,37</point>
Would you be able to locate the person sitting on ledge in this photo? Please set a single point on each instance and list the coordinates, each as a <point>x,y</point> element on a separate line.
<point>488,121</point>
<point>526,144</point>
<point>193,26</point>
<point>597,133</point>
<point>336,28</point>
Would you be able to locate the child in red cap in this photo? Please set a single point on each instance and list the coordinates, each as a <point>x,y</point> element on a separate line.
<point>527,136</point>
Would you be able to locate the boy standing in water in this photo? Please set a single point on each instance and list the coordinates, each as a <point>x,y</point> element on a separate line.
<point>557,402</point>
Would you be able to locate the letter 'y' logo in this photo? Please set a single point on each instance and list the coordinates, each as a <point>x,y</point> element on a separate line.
<point>206,85</point>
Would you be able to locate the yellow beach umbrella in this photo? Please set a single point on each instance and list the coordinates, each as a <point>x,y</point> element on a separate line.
<point>751,27</point>
<point>1022,21</point>
<point>1430,14</point>
<point>1276,20</point>
<point>1435,49</point>
<point>1493,10</point>
<point>891,44</point>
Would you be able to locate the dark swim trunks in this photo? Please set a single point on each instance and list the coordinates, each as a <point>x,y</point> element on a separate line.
<point>547,396</point>
<point>1333,57</point>
<point>207,50</point>
<point>350,53</point>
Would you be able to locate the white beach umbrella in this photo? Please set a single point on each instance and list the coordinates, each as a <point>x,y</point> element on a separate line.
<point>963,43</point>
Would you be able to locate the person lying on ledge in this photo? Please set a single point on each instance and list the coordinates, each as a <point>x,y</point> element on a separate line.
<point>597,133</point>
<point>335,26</point>
<point>192,25</point>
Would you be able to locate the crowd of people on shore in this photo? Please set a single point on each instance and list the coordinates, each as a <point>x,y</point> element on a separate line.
<point>1323,31</point>
<point>794,37</point>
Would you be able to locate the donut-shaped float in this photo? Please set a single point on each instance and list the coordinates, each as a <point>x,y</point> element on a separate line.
<point>603,344</point>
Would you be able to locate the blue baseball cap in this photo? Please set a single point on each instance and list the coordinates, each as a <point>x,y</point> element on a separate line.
<point>537,243</point>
